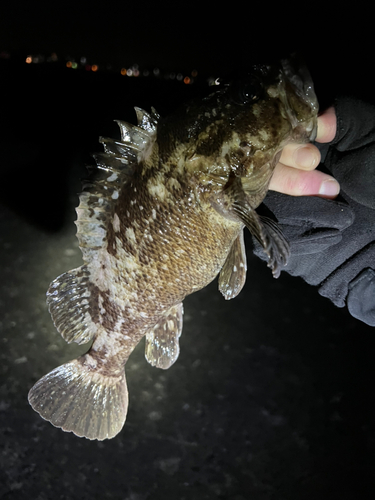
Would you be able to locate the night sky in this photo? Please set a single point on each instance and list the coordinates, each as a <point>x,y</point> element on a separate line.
<point>124,33</point>
<point>182,34</point>
<point>185,36</point>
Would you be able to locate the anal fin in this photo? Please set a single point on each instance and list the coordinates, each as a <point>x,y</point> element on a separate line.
<point>233,273</point>
<point>162,342</point>
<point>69,302</point>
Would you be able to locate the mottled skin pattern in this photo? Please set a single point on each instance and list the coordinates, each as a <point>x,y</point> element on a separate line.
<point>161,222</point>
<point>170,241</point>
<point>165,247</point>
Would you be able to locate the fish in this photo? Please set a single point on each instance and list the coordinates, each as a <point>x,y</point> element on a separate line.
<point>162,217</point>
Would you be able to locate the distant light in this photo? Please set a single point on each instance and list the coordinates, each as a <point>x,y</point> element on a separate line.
<point>94,67</point>
<point>29,59</point>
<point>129,72</point>
<point>146,72</point>
<point>83,60</point>
<point>156,71</point>
<point>69,64</point>
<point>186,80</point>
<point>123,71</point>
<point>136,72</point>
<point>172,75</point>
<point>179,76</point>
<point>74,65</point>
<point>194,73</point>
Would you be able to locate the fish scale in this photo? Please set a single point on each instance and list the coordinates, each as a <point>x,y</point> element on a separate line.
<point>162,216</point>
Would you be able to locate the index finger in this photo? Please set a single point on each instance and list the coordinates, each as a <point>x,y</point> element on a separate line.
<point>327,125</point>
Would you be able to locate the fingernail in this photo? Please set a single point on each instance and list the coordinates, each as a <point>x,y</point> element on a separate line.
<point>329,188</point>
<point>305,158</point>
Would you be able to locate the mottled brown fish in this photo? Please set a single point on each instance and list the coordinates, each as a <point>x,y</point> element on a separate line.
<point>165,217</point>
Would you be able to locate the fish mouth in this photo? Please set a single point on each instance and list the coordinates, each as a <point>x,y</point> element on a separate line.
<point>301,104</point>
<point>298,76</point>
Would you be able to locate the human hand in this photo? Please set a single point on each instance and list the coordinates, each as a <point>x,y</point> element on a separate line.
<point>295,173</point>
<point>332,242</point>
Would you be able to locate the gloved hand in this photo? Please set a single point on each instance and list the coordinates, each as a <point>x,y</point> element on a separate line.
<point>333,241</point>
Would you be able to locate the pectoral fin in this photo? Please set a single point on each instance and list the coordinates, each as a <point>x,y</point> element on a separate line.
<point>233,273</point>
<point>236,203</point>
<point>267,233</point>
<point>162,342</point>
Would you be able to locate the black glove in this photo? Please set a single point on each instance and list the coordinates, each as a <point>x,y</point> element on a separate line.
<point>333,241</point>
<point>351,155</point>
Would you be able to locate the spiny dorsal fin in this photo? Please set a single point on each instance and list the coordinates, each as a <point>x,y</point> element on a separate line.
<point>114,169</point>
<point>155,115</point>
<point>106,161</point>
<point>120,149</point>
<point>134,135</point>
<point>145,120</point>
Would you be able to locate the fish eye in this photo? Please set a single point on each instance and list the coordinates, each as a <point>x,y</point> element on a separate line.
<point>247,91</point>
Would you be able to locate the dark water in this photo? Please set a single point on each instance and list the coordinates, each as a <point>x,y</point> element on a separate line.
<point>272,396</point>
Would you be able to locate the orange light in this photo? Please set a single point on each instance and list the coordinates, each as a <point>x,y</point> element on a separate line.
<point>186,80</point>
<point>69,64</point>
<point>94,67</point>
<point>29,59</point>
<point>123,71</point>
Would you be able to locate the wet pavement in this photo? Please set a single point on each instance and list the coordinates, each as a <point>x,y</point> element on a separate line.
<point>271,397</point>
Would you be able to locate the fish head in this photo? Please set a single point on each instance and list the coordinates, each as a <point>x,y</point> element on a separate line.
<point>241,127</point>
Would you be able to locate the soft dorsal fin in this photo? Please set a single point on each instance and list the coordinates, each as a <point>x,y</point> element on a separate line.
<point>69,302</point>
<point>114,169</point>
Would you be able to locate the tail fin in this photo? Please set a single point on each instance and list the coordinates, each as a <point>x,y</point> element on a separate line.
<point>82,401</point>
